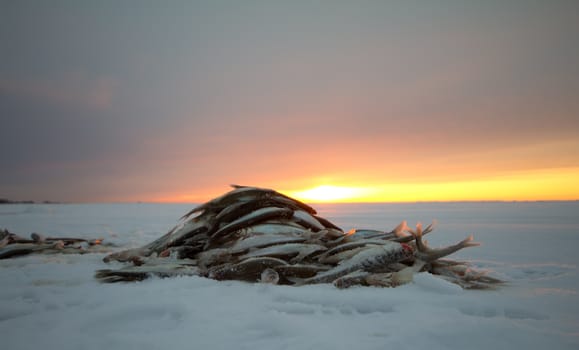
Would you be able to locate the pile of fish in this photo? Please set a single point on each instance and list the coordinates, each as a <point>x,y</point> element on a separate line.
<point>260,235</point>
<point>12,245</point>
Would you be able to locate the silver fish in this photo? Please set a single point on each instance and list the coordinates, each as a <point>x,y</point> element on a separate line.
<point>245,194</point>
<point>368,259</point>
<point>428,254</point>
<point>233,196</point>
<point>355,278</point>
<point>127,255</point>
<point>337,258</point>
<point>296,250</point>
<point>138,273</point>
<point>388,279</point>
<point>300,204</point>
<point>251,219</point>
<point>183,231</point>
<point>307,220</point>
<point>262,241</point>
<point>237,210</point>
<point>216,256</point>
<point>300,270</point>
<point>352,245</point>
<point>270,228</point>
<point>247,270</point>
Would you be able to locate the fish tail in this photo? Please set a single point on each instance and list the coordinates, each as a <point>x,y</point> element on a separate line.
<point>468,242</point>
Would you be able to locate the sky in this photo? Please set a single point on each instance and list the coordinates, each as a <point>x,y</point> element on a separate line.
<point>122,101</point>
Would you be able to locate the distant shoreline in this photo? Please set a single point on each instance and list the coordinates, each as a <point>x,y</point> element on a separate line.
<point>9,201</point>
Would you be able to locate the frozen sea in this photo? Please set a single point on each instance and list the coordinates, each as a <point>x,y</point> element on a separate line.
<point>53,302</point>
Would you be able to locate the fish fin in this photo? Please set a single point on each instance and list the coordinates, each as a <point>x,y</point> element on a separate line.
<point>468,242</point>
<point>401,230</point>
<point>430,227</point>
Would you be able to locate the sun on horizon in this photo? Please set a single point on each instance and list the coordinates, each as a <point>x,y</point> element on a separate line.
<point>549,184</point>
<point>331,193</point>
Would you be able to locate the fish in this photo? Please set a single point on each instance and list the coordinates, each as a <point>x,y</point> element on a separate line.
<point>367,259</point>
<point>297,251</point>
<point>273,228</point>
<point>387,279</point>
<point>237,210</point>
<point>428,254</point>
<point>261,241</point>
<point>270,276</point>
<point>397,278</point>
<point>37,237</point>
<point>215,256</point>
<point>247,270</point>
<point>16,249</point>
<point>300,270</point>
<point>255,217</point>
<point>4,241</point>
<point>355,278</point>
<point>306,220</point>
<point>300,204</point>
<point>183,231</point>
<point>327,223</point>
<point>351,245</point>
<point>244,194</point>
<point>463,275</point>
<point>127,255</point>
<point>342,256</point>
<point>139,273</point>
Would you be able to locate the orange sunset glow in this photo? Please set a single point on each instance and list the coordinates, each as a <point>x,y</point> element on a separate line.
<point>528,187</point>
<point>324,101</point>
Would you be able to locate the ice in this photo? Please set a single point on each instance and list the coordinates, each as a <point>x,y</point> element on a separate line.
<point>54,301</point>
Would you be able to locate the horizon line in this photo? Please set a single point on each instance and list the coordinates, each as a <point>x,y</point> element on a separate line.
<point>22,202</point>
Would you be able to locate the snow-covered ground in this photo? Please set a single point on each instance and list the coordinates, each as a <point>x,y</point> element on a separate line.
<point>53,302</point>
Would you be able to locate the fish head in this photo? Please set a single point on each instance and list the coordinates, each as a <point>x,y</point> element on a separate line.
<point>408,250</point>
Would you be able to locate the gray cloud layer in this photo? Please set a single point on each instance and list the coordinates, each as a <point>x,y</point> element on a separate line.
<point>111,99</point>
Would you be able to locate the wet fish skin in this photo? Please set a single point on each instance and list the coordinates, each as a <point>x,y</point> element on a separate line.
<point>307,220</point>
<point>271,228</point>
<point>247,270</point>
<point>216,256</point>
<point>183,231</point>
<point>341,256</point>
<point>127,255</point>
<point>244,193</point>
<point>17,249</point>
<point>255,217</point>
<point>139,273</point>
<point>355,278</point>
<point>224,200</point>
<point>428,254</point>
<point>367,259</point>
<point>352,245</point>
<point>300,204</point>
<point>298,250</point>
<point>327,223</point>
<point>300,270</point>
<point>261,241</point>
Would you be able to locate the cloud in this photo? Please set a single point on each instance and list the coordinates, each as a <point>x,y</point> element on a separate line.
<point>76,89</point>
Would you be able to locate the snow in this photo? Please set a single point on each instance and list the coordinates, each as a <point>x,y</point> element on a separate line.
<point>54,302</point>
